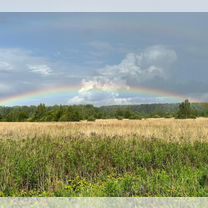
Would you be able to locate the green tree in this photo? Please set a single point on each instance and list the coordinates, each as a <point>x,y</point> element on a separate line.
<point>75,116</point>
<point>128,113</point>
<point>40,112</point>
<point>119,114</point>
<point>185,110</point>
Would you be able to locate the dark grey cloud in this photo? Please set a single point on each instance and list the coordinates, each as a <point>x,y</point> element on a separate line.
<point>101,52</point>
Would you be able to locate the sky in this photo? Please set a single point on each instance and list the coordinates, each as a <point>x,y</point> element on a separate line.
<point>103,58</point>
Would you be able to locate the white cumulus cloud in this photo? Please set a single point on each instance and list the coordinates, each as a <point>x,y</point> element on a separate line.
<point>103,88</point>
<point>43,70</point>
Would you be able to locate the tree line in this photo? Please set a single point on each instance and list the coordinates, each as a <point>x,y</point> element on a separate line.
<point>89,112</point>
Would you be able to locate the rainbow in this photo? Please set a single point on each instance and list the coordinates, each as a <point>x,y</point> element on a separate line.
<point>73,90</point>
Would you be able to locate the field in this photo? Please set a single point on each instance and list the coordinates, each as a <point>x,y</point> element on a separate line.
<point>151,157</point>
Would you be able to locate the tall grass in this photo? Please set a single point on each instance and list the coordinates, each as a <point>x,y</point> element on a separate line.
<point>169,130</point>
<point>98,165</point>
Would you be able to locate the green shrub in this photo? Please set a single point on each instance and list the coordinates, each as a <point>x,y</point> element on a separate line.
<point>91,118</point>
<point>102,166</point>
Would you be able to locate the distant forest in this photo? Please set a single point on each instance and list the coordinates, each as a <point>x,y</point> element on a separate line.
<point>91,113</point>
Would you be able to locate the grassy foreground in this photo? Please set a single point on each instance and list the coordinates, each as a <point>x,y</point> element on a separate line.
<point>102,165</point>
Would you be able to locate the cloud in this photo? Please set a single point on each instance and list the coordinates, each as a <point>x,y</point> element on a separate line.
<point>4,88</point>
<point>152,62</point>
<point>17,69</point>
<point>200,97</point>
<point>100,52</point>
<point>139,100</point>
<point>104,87</point>
<point>96,91</point>
<point>5,66</point>
<point>43,70</point>
<point>15,59</point>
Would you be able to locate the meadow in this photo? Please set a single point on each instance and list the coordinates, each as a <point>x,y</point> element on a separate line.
<point>148,157</point>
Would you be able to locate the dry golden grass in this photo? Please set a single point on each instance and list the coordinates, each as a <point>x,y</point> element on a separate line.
<point>170,130</point>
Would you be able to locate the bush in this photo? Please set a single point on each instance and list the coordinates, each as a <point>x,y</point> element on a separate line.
<point>102,166</point>
<point>135,117</point>
<point>91,118</point>
<point>119,117</point>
